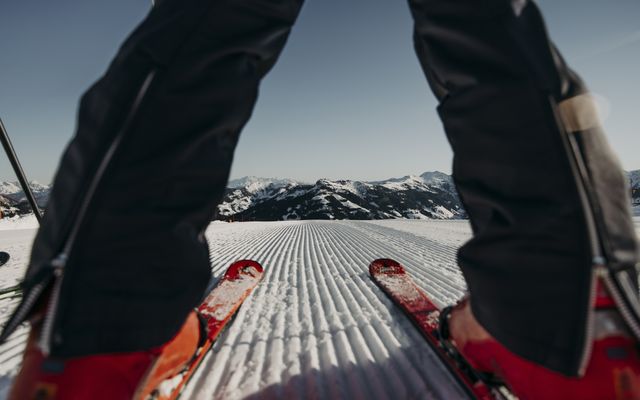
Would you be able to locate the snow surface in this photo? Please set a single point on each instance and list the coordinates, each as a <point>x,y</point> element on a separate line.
<point>9,187</point>
<point>254,184</point>
<point>18,222</point>
<point>316,327</point>
<point>432,178</point>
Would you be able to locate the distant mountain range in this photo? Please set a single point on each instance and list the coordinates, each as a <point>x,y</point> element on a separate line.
<point>428,196</point>
<point>14,202</point>
<point>431,195</point>
<point>634,183</point>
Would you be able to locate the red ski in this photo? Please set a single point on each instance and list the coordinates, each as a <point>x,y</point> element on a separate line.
<point>398,285</point>
<point>216,311</point>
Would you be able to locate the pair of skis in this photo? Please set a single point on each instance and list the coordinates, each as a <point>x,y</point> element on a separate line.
<point>219,307</point>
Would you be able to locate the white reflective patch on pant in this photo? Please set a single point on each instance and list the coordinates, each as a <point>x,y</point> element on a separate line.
<point>579,113</point>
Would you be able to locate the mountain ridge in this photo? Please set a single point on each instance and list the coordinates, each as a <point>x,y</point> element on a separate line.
<point>427,196</point>
<point>430,195</point>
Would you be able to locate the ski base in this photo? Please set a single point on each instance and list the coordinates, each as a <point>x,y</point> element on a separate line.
<point>216,311</point>
<point>398,285</point>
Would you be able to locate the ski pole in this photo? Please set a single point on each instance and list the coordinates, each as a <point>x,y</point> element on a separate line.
<point>17,168</point>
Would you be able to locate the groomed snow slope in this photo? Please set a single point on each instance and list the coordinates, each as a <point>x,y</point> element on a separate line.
<point>316,327</point>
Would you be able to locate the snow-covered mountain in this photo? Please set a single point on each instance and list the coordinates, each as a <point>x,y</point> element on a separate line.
<point>242,193</point>
<point>13,201</point>
<point>254,184</point>
<point>634,183</point>
<point>9,187</point>
<point>428,196</point>
<point>14,191</point>
<point>634,179</point>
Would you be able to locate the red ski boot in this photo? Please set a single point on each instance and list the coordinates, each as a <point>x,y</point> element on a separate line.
<point>105,376</point>
<point>613,372</point>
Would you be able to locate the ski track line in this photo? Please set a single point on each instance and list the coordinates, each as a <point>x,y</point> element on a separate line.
<point>411,366</point>
<point>316,326</point>
<point>294,358</point>
<point>427,275</point>
<point>444,254</point>
<point>364,343</point>
<point>272,372</point>
<point>226,247</point>
<point>323,319</point>
<point>434,263</point>
<point>408,239</point>
<point>375,330</point>
<point>404,239</point>
<point>450,232</point>
<point>359,270</point>
<point>312,387</point>
<point>261,250</point>
<point>343,337</point>
<point>275,350</point>
<point>284,342</point>
<point>280,335</point>
<point>271,347</point>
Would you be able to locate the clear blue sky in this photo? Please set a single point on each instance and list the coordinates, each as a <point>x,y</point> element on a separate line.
<point>346,100</point>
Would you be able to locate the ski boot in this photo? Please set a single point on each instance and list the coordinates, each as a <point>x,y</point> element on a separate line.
<point>613,371</point>
<point>118,376</point>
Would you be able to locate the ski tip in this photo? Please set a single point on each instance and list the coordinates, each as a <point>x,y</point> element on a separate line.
<point>385,266</point>
<point>244,267</point>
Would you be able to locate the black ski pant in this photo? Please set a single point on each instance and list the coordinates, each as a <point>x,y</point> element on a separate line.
<point>140,180</point>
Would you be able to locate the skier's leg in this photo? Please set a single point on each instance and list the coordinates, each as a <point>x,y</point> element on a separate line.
<point>546,198</point>
<point>154,145</point>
